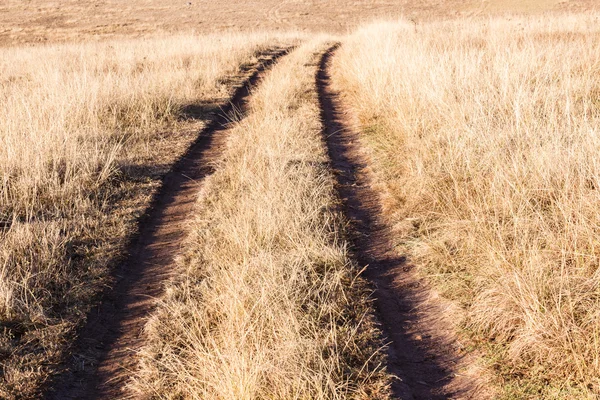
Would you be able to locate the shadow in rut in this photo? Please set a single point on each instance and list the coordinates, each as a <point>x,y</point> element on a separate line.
<point>103,357</point>
<point>198,111</point>
<point>422,352</point>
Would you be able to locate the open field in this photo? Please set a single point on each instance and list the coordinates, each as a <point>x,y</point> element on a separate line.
<point>286,200</point>
<point>41,21</point>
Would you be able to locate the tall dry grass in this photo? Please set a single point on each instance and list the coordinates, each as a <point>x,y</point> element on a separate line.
<point>484,137</point>
<point>267,303</point>
<point>86,130</point>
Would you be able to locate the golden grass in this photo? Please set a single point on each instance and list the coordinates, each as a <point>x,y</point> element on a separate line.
<point>51,21</point>
<point>86,131</point>
<point>484,138</point>
<point>267,303</point>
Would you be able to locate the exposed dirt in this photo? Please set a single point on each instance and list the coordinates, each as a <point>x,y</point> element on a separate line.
<point>424,353</point>
<point>105,353</point>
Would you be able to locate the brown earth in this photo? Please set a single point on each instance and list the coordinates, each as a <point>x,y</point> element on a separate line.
<point>105,354</point>
<point>38,21</point>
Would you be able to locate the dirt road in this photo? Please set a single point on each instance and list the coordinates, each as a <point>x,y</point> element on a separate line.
<point>422,348</point>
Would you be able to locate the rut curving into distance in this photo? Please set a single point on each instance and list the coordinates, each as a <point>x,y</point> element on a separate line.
<point>113,332</point>
<point>422,350</point>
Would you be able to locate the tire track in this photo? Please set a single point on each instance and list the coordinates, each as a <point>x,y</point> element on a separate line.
<point>274,15</point>
<point>105,352</point>
<point>422,350</point>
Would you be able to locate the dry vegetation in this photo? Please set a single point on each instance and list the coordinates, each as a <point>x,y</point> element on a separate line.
<point>484,138</point>
<point>482,134</point>
<point>46,21</point>
<point>267,303</point>
<point>86,131</point>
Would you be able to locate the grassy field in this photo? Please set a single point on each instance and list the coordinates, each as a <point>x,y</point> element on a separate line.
<point>47,21</point>
<point>479,122</point>
<point>86,133</point>
<point>484,139</point>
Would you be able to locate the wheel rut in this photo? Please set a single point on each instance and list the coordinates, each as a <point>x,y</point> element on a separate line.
<point>421,350</point>
<point>104,355</point>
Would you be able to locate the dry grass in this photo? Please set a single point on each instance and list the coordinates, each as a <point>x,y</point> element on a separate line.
<point>484,138</point>
<point>267,303</point>
<point>42,21</point>
<point>86,131</point>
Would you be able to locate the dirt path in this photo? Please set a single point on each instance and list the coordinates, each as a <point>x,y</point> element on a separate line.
<point>104,355</point>
<point>422,351</point>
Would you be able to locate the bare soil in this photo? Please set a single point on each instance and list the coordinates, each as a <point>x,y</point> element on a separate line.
<point>424,353</point>
<point>105,353</point>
